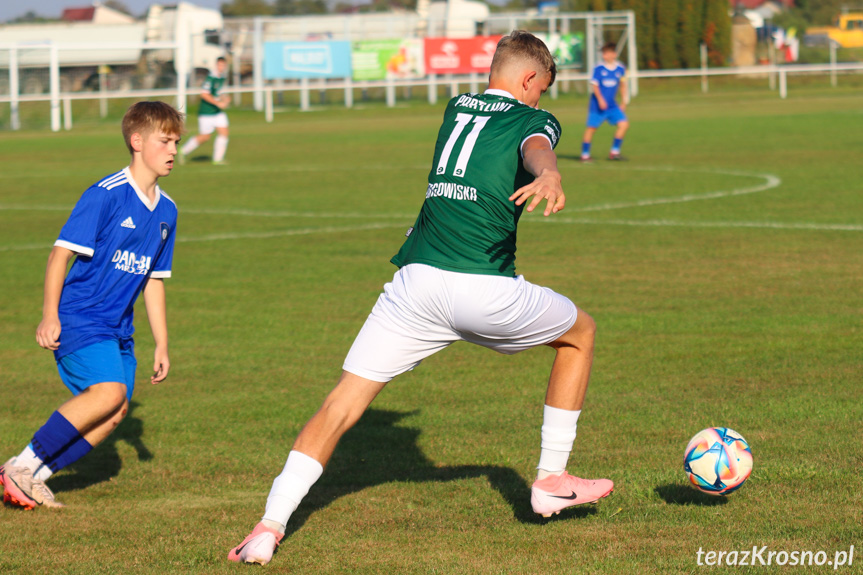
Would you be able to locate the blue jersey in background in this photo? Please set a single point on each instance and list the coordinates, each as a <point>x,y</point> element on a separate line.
<point>121,240</point>
<point>608,80</point>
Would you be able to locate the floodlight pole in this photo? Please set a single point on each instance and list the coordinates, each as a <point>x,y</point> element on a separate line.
<point>14,117</point>
<point>103,86</point>
<point>182,57</point>
<point>590,45</point>
<point>54,73</point>
<point>632,54</point>
<point>258,59</point>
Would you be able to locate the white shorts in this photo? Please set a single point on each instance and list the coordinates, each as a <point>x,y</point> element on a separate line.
<point>425,309</point>
<point>207,123</point>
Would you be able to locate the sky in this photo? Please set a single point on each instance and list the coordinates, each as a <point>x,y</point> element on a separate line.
<point>10,9</point>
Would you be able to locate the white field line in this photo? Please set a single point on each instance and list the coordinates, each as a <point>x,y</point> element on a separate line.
<point>24,247</point>
<point>811,226</point>
<point>246,235</point>
<point>684,224</point>
<point>552,220</point>
<point>294,168</point>
<point>284,233</point>
<point>770,181</point>
<point>25,208</point>
<point>281,214</point>
<point>233,212</point>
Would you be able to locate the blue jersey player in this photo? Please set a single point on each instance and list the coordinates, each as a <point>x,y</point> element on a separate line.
<point>607,80</point>
<point>122,231</point>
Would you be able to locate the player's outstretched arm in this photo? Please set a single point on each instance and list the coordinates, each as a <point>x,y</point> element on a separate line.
<point>154,300</point>
<point>48,332</point>
<point>541,161</point>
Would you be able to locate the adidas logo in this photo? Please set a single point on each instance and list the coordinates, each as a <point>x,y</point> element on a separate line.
<point>128,223</point>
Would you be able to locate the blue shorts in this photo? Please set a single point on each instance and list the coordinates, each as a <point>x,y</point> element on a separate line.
<point>109,360</point>
<point>612,115</point>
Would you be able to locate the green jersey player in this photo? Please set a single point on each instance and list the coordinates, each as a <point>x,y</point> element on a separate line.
<point>494,157</point>
<point>477,165</point>
<point>211,115</point>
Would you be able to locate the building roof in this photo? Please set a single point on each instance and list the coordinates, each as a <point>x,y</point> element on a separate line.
<point>83,14</point>
<point>96,14</point>
<point>752,4</point>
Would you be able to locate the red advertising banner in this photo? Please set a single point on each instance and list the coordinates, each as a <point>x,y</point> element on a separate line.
<point>459,55</point>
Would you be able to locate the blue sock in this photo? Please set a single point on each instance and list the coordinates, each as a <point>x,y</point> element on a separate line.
<point>58,443</point>
<point>585,148</point>
<point>615,147</point>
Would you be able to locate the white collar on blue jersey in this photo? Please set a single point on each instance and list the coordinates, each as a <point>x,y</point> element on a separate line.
<point>504,93</point>
<point>613,67</point>
<point>141,195</point>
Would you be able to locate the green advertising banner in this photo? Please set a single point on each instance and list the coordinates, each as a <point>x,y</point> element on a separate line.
<point>567,49</point>
<point>380,59</point>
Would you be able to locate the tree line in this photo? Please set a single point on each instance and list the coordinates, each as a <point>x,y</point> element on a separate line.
<point>669,33</point>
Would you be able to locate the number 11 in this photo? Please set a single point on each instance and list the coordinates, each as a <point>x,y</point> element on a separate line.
<point>461,120</point>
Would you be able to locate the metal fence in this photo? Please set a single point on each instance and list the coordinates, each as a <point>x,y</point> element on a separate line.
<point>59,103</point>
<point>58,75</point>
<point>597,27</point>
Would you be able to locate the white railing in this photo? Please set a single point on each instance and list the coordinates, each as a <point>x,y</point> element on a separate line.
<point>596,26</point>
<point>62,100</point>
<point>772,72</point>
<point>95,55</point>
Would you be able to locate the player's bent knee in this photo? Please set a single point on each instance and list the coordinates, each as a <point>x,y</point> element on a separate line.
<point>580,335</point>
<point>585,326</point>
<point>340,416</point>
<point>110,393</point>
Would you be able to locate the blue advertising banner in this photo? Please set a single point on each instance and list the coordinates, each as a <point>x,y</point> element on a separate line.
<point>291,60</point>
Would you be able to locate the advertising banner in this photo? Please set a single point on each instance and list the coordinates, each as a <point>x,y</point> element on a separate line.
<point>380,59</point>
<point>459,55</point>
<point>291,60</point>
<point>567,49</point>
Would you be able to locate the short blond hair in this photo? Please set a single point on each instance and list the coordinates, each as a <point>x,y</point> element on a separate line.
<point>522,45</point>
<point>146,117</point>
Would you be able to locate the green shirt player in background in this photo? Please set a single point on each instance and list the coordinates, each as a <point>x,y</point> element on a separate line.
<point>456,281</point>
<point>211,115</point>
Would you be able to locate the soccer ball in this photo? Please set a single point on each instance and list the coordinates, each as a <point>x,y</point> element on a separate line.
<point>717,460</point>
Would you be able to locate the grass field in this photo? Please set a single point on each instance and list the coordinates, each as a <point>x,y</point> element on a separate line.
<point>723,265</point>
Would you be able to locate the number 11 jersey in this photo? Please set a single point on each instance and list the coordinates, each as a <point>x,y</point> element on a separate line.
<point>467,223</point>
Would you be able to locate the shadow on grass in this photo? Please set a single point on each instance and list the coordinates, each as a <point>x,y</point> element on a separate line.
<point>104,461</point>
<point>376,451</point>
<point>683,494</point>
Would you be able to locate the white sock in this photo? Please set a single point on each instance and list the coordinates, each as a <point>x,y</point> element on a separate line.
<point>29,459</point>
<point>289,488</point>
<point>220,146</point>
<point>43,473</point>
<point>190,146</point>
<point>558,435</point>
